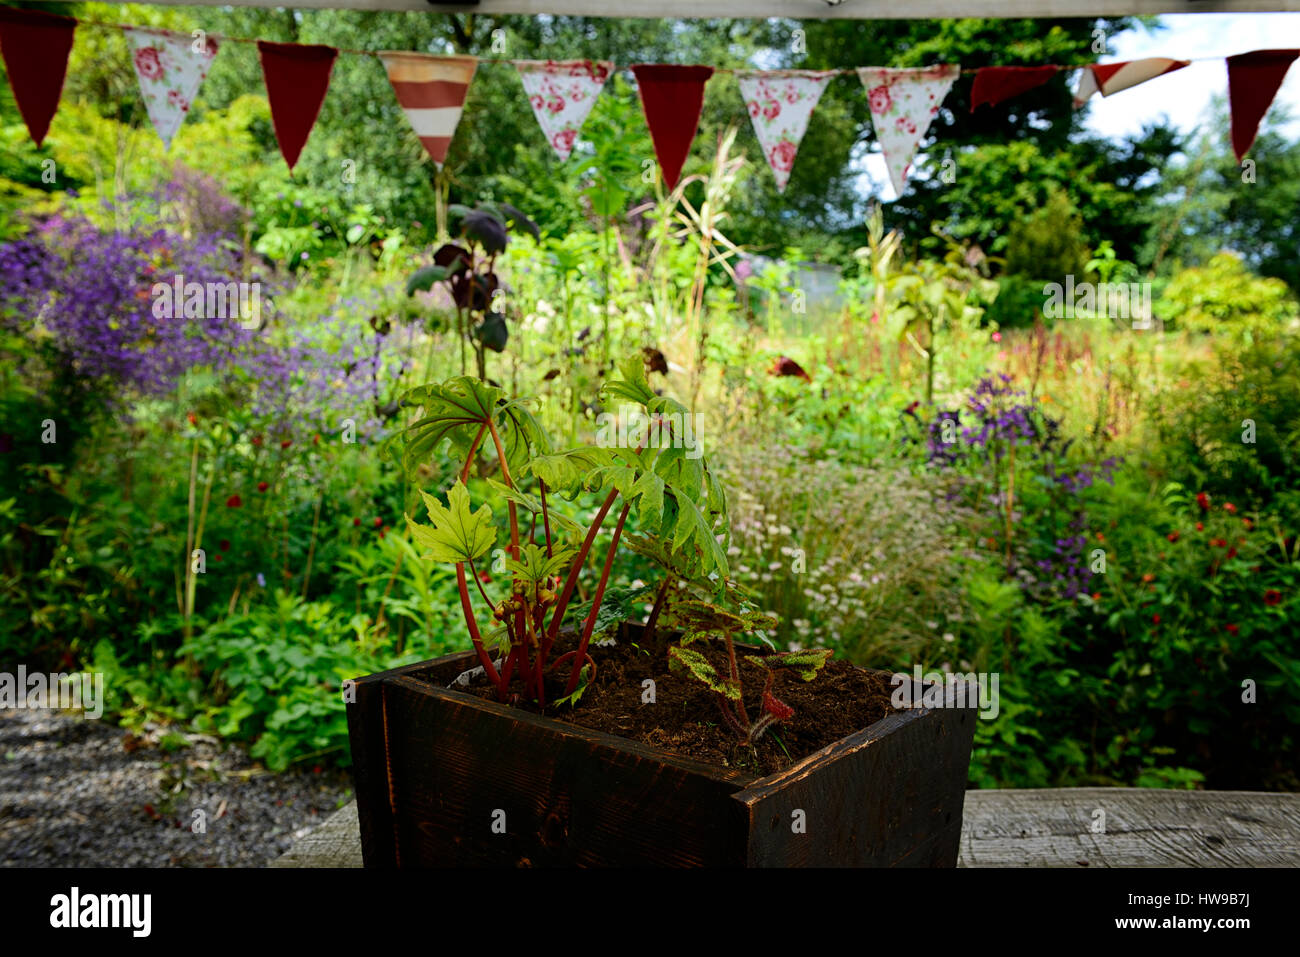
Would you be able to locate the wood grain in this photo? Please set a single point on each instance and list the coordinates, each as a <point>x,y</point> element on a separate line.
<point>888,796</point>
<point>1143,828</point>
<point>447,779</point>
<point>1040,828</point>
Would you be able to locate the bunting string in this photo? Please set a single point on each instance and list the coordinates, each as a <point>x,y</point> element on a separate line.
<point>432,89</point>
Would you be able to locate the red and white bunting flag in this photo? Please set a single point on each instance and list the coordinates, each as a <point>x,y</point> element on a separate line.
<point>1108,78</point>
<point>170,67</point>
<point>780,103</point>
<point>562,93</point>
<point>35,47</point>
<point>993,84</point>
<point>903,104</point>
<point>297,78</point>
<point>431,91</point>
<point>672,97</point>
<point>1253,81</point>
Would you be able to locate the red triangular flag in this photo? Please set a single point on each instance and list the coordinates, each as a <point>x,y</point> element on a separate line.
<point>993,84</point>
<point>1253,79</point>
<point>297,76</point>
<point>672,97</point>
<point>35,47</point>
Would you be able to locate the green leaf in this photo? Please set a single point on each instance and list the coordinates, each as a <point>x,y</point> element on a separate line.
<point>699,668</point>
<point>422,279</point>
<point>534,566</point>
<point>807,663</point>
<point>457,535</point>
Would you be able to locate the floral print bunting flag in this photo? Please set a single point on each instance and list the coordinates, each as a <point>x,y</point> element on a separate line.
<point>903,103</point>
<point>780,103</point>
<point>171,68</point>
<point>562,93</point>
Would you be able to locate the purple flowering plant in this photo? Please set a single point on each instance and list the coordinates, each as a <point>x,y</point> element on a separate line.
<point>1011,462</point>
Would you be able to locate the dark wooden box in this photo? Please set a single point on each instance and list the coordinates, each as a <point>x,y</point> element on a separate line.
<point>440,774</point>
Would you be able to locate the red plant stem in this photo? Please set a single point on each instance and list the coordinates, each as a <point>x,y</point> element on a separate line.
<point>473,449</point>
<point>587,660</point>
<point>735,676</point>
<point>546,517</point>
<point>563,603</point>
<point>596,600</point>
<point>658,607</point>
<point>474,636</point>
<point>505,474</point>
<point>508,668</point>
<point>478,581</point>
<point>538,685</point>
<point>514,538</point>
<point>525,666</point>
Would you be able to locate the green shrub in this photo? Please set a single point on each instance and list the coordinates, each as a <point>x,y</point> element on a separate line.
<point>1225,296</point>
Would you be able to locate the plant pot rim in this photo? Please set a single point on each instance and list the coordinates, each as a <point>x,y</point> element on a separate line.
<point>752,787</point>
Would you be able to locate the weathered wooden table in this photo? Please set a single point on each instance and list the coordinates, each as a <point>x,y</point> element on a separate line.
<point>1066,827</point>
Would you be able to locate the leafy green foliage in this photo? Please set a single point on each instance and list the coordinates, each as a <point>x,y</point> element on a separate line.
<point>457,534</point>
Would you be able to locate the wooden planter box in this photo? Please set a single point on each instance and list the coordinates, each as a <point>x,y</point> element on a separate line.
<point>440,774</point>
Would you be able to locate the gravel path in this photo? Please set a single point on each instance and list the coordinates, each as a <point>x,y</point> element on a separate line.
<point>83,793</point>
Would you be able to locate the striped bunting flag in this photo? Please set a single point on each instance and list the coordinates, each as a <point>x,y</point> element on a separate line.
<point>431,91</point>
<point>1108,78</point>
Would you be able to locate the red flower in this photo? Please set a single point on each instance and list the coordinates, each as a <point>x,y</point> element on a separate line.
<point>1233,629</point>
<point>753,108</point>
<point>1173,536</point>
<point>563,140</point>
<point>484,577</point>
<point>881,101</point>
<point>1200,527</point>
<point>555,104</point>
<point>316,439</point>
<point>1248,523</point>
<point>234,501</point>
<point>286,443</point>
<point>1101,537</point>
<point>194,420</point>
<point>216,557</point>
<point>1272,597</point>
<point>257,440</point>
<point>905,124</point>
<point>1230,508</point>
<point>1148,577</point>
<point>1096,596</point>
<point>1218,542</point>
<point>262,486</point>
<point>1231,553</point>
<point>378,522</point>
<point>356,522</point>
<point>772,110</point>
<point>224,545</point>
<point>1155,619</point>
<point>537,101</point>
<point>782,156</point>
<point>147,62</point>
<point>1203,500</point>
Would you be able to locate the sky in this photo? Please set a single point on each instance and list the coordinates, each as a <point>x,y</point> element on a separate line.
<point>1184,96</point>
